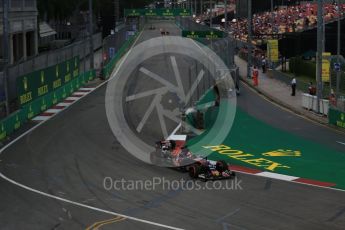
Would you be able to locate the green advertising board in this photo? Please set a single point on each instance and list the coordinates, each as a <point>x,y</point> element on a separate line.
<point>203,34</point>
<point>150,12</point>
<point>41,104</point>
<point>336,117</point>
<point>158,12</point>
<point>44,81</point>
<point>183,12</point>
<point>134,12</point>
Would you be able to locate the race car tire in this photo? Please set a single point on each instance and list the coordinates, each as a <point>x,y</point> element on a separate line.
<point>158,145</point>
<point>186,164</point>
<point>221,166</point>
<point>194,171</point>
<point>203,169</point>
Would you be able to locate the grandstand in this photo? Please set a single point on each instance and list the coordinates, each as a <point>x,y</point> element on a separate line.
<point>294,24</point>
<point>290,19</point>
<point>259,6</point>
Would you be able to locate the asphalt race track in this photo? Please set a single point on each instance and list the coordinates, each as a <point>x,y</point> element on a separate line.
<point>70,155</point>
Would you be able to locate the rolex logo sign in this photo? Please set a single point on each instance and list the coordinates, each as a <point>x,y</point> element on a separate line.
<point>25,95</point>
<point>283,153</point>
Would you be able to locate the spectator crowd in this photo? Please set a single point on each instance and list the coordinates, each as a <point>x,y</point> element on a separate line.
<point>285,20</point>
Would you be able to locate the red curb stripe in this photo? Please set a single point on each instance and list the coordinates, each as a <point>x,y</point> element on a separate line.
<point>314,182</point>
<point>47,114</point>
<point>244,169</point>
<point>58,107</point>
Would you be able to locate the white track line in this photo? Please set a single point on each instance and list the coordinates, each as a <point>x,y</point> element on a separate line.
<point>294,182</point>
<point>69,201</point>
<point>87,206</point>
<point>277,176</point>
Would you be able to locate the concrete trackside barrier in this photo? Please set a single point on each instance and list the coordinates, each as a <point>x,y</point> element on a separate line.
<point>108,68</point>
<point>41,104</point>
<point>309,102</point>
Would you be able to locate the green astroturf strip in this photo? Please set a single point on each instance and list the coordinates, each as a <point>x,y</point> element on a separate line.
<point>258,140</point>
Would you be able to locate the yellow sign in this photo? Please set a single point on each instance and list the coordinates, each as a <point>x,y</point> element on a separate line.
<point>246,157</point>
<point>326,67</point>
<point>273,50</point>
<point>283,153</point>
<point>25,97</point>
<point>341,123</point>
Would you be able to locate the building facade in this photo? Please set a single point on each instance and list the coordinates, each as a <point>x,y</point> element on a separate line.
<point>23,29</point>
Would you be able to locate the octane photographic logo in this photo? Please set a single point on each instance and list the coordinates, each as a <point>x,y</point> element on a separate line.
<point>164,184</point>
<point>141,101</point>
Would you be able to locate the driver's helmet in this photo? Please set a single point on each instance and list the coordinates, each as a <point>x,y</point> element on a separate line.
<point>210,165</point>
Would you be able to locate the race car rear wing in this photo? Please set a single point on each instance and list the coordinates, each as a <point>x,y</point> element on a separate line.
<point>177,138</point>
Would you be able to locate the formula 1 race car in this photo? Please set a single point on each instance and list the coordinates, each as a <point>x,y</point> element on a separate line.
<point>210,170</point>
<point>164,32</point>
<point>175,153</point>
<point>172,152</point>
